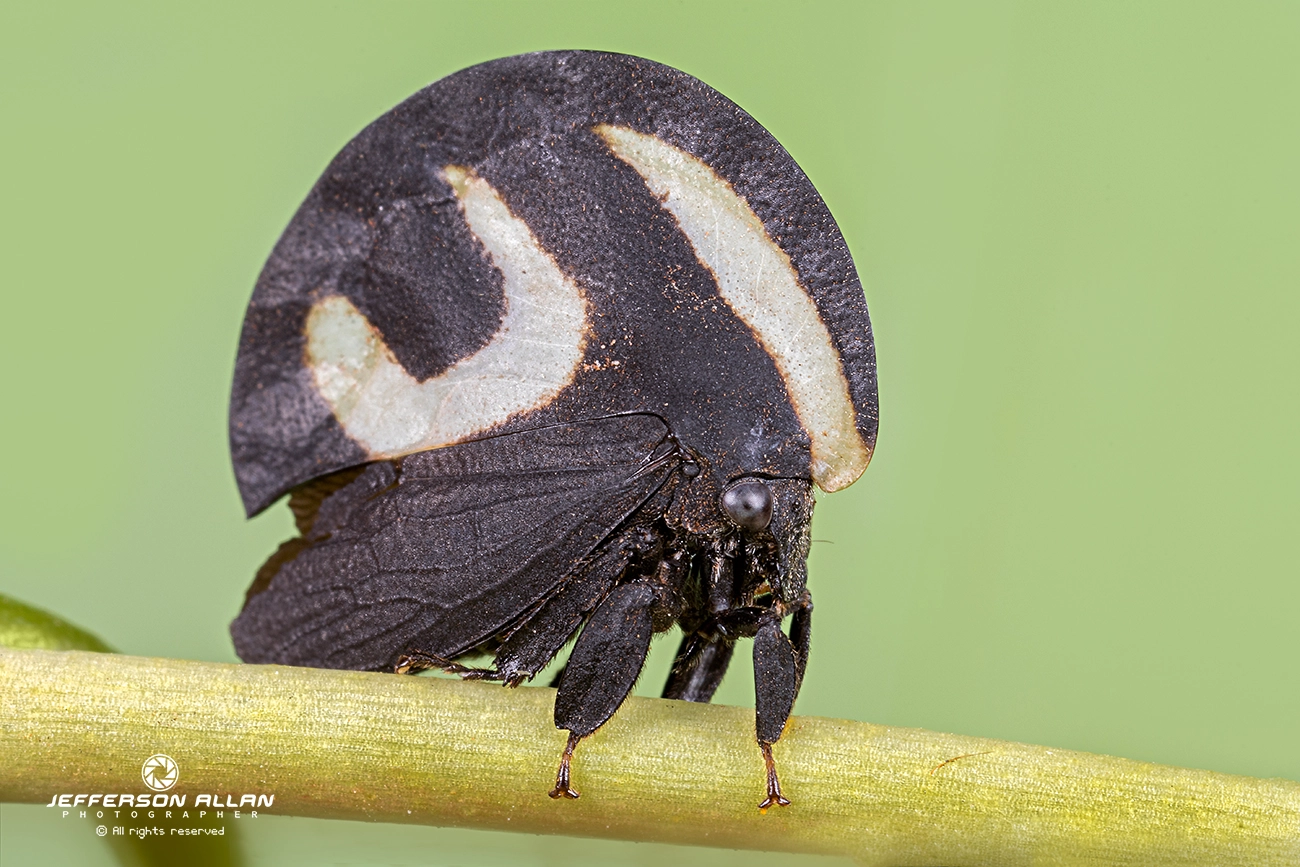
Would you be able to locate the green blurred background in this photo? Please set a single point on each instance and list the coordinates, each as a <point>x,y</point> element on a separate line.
<point>1077,225</point>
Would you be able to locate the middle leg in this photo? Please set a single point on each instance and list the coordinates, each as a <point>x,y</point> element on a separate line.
<point>699,667</point>
<point>604,666</point>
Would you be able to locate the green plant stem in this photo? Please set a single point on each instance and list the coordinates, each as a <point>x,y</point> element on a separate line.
<point>377,747</point>
<point>22,626</point>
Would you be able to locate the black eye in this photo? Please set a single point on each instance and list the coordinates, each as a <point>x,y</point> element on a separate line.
<point>748,504</point>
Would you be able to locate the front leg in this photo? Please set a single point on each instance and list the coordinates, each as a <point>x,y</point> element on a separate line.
<point>801,636</point>
<point>778,672</point>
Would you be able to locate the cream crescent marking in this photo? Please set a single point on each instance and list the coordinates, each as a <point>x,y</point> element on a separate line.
<point>756,279</point>
<point>533,355</point>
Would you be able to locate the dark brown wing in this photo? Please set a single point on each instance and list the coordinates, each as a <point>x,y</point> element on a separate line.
<point>446,549</point>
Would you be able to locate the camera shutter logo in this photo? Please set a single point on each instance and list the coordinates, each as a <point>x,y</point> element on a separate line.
<point>160,772</point>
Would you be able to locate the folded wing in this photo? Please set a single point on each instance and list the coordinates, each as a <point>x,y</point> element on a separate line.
<point>446,548</point>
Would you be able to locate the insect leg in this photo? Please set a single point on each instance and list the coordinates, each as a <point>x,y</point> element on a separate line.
<point>602,669</point>
<point>801,637</point>
<point>722,577</point>
<point>776,682</point>
<point>534,644</point>
<point>699,667</point>
<point>416,661</point>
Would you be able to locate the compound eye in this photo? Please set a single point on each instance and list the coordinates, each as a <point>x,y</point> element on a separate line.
<point>748,504</point>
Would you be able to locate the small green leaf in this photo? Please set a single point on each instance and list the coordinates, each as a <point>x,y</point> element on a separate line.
<point>25,627</point>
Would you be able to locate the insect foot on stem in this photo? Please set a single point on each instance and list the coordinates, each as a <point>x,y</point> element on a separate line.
<point>562,788</point>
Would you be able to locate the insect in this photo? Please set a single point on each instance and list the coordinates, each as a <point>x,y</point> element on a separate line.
<point>559,345</point>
